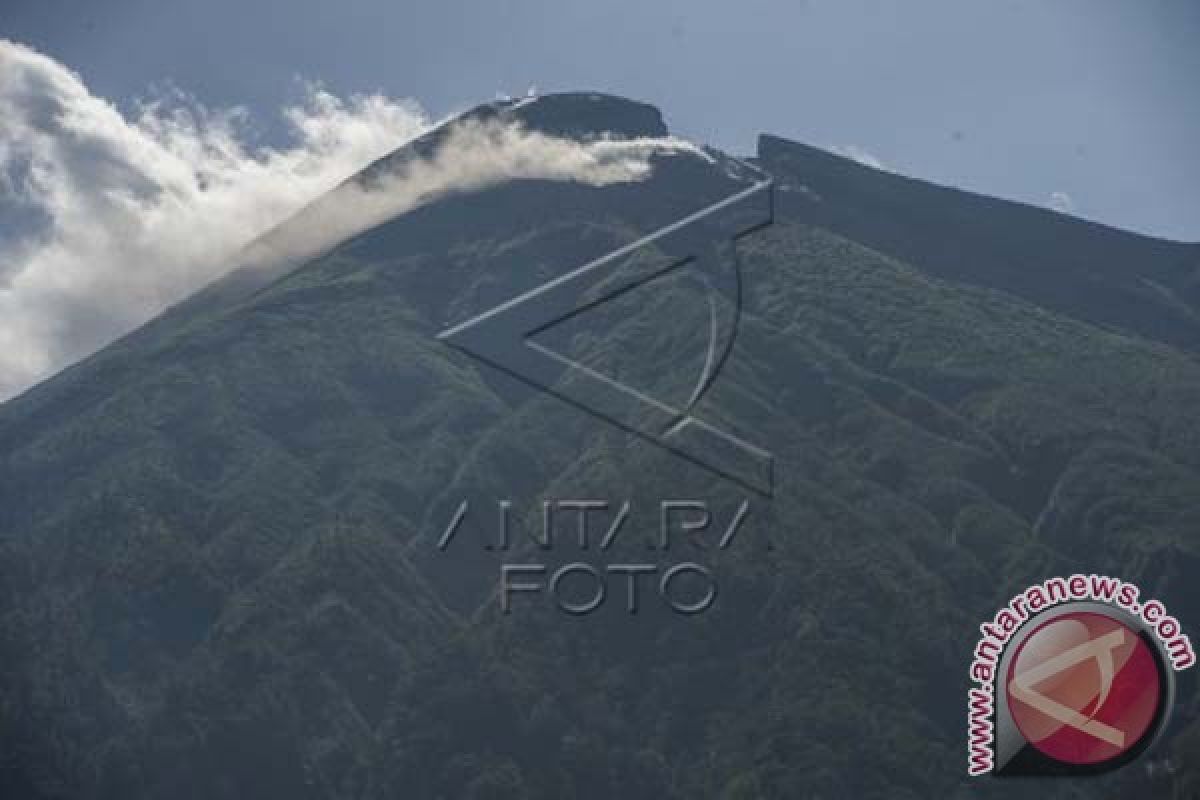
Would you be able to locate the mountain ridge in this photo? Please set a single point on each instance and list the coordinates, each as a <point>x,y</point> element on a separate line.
<point>217,560</point>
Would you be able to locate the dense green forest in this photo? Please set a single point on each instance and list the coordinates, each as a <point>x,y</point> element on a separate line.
<point>218,566</point>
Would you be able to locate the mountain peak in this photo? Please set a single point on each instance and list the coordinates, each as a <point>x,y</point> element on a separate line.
<point>573,115</point>
<point>588,114</point>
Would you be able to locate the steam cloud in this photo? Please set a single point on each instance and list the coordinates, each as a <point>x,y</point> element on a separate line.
<point>475,154</point>
<point>106,219</point>
<point>862,156</point>
<point>1062,202</point>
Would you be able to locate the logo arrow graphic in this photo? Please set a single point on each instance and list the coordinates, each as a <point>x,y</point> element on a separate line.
<point>1101,650</point>
<point>504,335</point>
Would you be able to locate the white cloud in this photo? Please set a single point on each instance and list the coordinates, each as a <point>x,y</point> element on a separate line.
<point>127,215</point>
<point>111,218</point>
<point>861,155</point>
<point>1062,202</point>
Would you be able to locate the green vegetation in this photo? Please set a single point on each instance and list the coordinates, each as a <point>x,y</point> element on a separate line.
<point>217,566</point>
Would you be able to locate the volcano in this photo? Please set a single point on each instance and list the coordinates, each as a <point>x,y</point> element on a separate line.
<point>219,563</point>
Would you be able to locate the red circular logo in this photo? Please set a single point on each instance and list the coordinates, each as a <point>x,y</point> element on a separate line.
<point>1084,688</point>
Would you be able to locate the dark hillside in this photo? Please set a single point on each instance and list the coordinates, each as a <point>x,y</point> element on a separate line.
<point>218,575</point>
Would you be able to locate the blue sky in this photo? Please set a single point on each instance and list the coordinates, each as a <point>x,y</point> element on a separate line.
<point>1088,104</point>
